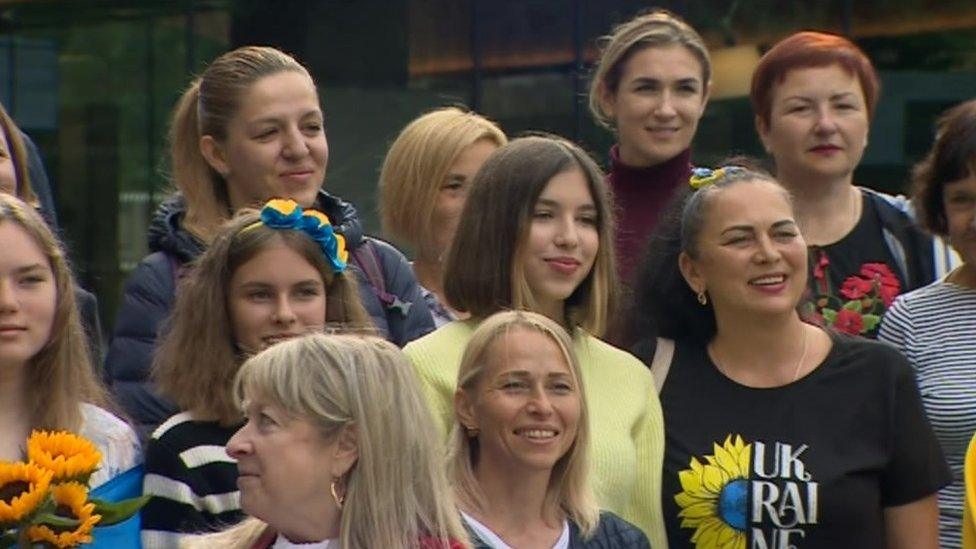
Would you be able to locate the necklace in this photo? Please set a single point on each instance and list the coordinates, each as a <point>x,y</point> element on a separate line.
<point>796,370</point>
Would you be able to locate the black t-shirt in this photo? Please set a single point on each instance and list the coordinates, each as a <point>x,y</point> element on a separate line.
<point>809,464</point>
<point>852,282</point>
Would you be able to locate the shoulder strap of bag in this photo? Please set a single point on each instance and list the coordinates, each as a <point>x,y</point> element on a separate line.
<point>661,363</point>
<point>368,261</point>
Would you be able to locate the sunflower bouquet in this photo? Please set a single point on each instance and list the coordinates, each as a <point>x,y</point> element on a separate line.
<point>44,502</point>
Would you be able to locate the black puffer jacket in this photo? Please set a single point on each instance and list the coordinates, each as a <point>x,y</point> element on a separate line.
<point>150,294</point>
<point>612,532</point>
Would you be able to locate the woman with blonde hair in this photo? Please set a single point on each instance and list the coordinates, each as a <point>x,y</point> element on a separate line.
<point>325,416</point>
<point>650,86</point>
<point>520,442</point>
<point>266,277</point>
<point>538,220</point>
<point>423,185</point>
<point>249,129</point>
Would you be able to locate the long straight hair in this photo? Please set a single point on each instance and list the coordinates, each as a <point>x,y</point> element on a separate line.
<point>483,273</point>
<point>60,377</point>
<point>569,484</point>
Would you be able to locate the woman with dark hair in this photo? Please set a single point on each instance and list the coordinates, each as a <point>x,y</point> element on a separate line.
<point>778,433</point>
<point>935,326</point>
<point>535,234</point>
<point>813,95</point>
<point>650,86</point>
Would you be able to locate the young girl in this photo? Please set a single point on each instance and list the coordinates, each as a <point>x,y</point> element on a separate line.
<point>265,278</point>
<point>46,378</point>
<point>535,234</point>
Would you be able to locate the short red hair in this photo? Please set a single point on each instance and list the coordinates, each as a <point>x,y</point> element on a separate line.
<point>809,49</point>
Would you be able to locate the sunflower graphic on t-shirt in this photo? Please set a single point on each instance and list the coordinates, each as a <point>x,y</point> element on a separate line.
<point>756,493</point>
<point>714,496</point>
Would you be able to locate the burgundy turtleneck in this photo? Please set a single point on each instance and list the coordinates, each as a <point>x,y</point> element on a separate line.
<point>640,196</point>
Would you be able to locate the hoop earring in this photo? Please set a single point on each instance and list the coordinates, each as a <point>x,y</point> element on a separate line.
<point>702,298</point>
<point>335,495</point>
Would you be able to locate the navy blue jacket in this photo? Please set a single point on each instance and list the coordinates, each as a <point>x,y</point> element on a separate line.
<point>612,532</point>
<point>149,297</point>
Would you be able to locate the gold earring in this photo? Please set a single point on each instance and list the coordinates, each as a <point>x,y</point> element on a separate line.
<point>702,298</point>
<point>335,495</point>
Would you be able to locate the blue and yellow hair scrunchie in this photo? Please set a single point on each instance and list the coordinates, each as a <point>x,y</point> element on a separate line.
<point>702,177</point>
<point>286,214</point>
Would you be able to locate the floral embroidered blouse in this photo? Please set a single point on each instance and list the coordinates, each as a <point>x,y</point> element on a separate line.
<point>853,281</point>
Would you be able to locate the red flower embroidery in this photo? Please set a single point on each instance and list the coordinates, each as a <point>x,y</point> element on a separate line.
<point>849,322</point>
<point>885,280</point>
<point>820,272</point>
<point>856,287</point>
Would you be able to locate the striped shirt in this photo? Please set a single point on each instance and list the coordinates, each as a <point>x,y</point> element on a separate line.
<point>192,481</point>
<point>935,327</point>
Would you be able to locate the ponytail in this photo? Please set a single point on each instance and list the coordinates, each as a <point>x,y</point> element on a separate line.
<point>202,187</point>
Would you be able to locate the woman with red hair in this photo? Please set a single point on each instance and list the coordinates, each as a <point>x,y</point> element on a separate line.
<point>814,95</point>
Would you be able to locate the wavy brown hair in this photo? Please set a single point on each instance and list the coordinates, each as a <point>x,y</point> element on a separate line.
<point>197,359</point>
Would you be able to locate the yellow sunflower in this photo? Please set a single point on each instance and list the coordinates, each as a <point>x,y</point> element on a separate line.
<point>69,456</point>
<point>71,501</point>
<point>714,497</point>
<point>23,486</point>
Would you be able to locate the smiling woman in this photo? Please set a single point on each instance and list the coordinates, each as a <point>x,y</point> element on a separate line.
<point>249,129</point>
<point>814,95</point>
<point>520,442</point>
<point>538,218</point>
<point>267,276</point>
<point>743,462</point>
<point>650,87</point>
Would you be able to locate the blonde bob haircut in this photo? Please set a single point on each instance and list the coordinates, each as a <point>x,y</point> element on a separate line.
<point>197,358</point>
<point>60,377</point>
<point>655,29</point>
<point>417,165</point>
<point>569,484</point>
<point>484,273</point>
<point>397,492</point>
<point>206,108</point>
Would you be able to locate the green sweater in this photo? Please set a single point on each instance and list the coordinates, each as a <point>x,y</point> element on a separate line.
<point>627,428</point>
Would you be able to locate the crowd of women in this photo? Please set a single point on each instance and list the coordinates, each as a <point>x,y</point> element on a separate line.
<point>279,379</point>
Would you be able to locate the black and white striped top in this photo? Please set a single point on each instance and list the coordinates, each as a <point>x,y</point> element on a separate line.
<point>192,481</point>
<point>935,327</point>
